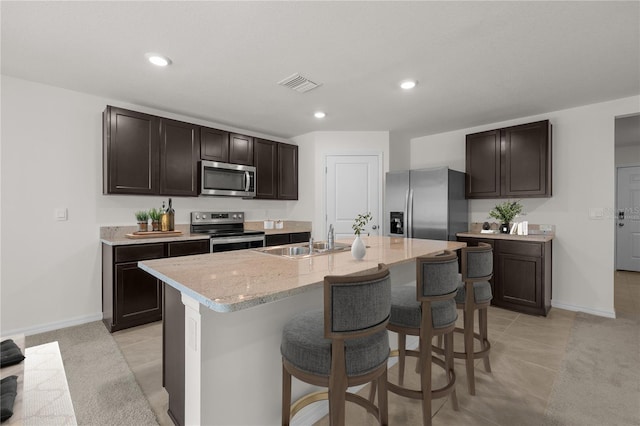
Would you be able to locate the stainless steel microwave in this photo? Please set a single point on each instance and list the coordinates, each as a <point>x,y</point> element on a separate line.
<point>233,180</point>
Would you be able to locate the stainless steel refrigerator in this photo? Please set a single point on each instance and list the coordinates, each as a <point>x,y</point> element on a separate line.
<point>426,203</point>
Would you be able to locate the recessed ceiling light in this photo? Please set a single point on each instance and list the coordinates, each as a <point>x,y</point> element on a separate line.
<point>319,114</point>
<point>158,60</point>
<point>408,84</point>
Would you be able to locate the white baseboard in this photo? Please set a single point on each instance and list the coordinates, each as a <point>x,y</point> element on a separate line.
<point>28,331</point>
<point>596,312</point>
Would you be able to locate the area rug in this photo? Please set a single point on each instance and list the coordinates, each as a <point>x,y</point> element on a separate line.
<point>599,379</point>
<point>102,387</point>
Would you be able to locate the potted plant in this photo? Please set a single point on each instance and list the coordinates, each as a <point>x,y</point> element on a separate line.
<point>505,213</point>
<point>358,249</point>
<point>143,218</point>
<point>155,214</point>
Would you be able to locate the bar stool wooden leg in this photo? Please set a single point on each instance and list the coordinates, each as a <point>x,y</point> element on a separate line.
<point>468,349</point>
<point>402,342</point>
<point>286,397</point>
<point>382,399</point>
<point>484,335</point>
<point>448,348</point>
<point>337,384</point>
<point>425,379</point>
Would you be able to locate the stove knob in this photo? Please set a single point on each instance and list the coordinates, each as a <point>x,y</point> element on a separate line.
<point>235,216</point>
<point>197,216</point>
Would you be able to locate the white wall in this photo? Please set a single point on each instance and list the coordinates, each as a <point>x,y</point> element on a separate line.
<point>583,178</point>
<point>400,152</point>
<point>50,273</point>
<point>326,143</point>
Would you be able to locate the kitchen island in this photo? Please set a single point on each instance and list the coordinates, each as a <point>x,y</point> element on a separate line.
<point>235,305</point>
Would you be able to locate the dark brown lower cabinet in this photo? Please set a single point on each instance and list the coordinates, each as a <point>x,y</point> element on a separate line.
<point>138,296</point>
<point>130,296</point>
<point>521,274</point>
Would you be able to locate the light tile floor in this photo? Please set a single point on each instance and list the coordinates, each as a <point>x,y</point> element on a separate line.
<point>526,355</point>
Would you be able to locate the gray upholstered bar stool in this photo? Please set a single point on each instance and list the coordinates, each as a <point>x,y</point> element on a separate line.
<point>474,294</point>
<point>345,345</point>
<point>427,310</point>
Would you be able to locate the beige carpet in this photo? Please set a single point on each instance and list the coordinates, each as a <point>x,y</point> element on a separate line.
<point>599,380</point>
<point>102,387</point>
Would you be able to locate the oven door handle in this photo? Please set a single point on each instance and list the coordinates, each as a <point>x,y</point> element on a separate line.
<point>228,240</point>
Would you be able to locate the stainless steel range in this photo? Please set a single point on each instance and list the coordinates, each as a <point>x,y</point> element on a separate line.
<point>226,230</point>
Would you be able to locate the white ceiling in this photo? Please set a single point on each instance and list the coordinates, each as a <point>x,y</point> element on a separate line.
<point>476,62</point>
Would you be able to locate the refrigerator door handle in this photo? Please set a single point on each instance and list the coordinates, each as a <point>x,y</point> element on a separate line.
<point>410,213</point>
<point>406,214</point>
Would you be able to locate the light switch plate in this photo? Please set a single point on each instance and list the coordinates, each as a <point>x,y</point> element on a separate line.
<point>596,213</point>
<point>60,213</point>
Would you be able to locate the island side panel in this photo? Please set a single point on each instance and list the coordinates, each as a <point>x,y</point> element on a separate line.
<point>173,352</point>
<point>241,365</point>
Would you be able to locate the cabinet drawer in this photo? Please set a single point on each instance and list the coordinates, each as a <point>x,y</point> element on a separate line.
<point>276,239</point>
<point>300,237</point>
<point>139,252</point>
<point>518,247</point>
<point>186,248</point>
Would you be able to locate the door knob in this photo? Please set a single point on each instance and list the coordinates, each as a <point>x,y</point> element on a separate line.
<point>620,224</point>
<point>374,226</point>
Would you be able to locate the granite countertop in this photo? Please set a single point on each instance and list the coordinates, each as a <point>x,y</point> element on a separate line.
<point>115,236</point>
<point>236,280</point>
<point>540,238</point>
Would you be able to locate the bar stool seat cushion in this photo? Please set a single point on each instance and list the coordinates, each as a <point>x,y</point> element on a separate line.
<point>481,292</point>
<point>304,345</point>
<point>406,311</point>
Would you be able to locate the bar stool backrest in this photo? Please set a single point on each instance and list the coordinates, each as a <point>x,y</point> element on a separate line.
<point>477,263</point>
<point>437,275</point>
<point>356,305</point>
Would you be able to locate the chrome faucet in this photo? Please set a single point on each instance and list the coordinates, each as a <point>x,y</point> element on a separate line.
<point>310,244</point>
<point>330,238</point>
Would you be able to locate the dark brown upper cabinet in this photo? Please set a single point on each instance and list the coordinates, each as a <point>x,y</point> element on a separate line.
<point>214,145</point>
<point>148,155</point>
<point>131,156</point>
<point>179,155</point>
<point>276,170</point>
<point>287,172</point>
<point>266,163</point>
<point>483,165</point>
<point>240,149</point>
<point>510,162</point>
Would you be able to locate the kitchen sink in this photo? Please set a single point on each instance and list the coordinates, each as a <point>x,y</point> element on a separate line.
<point>302,250</point>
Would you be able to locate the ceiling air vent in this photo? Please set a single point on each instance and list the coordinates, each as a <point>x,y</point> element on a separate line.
<point>298,83</point>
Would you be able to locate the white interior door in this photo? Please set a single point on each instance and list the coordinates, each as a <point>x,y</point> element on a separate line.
<point>353,187</point>
<point>628,219</point>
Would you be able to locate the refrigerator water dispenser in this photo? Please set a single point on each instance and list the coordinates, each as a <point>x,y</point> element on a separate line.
<point>396,225</point>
